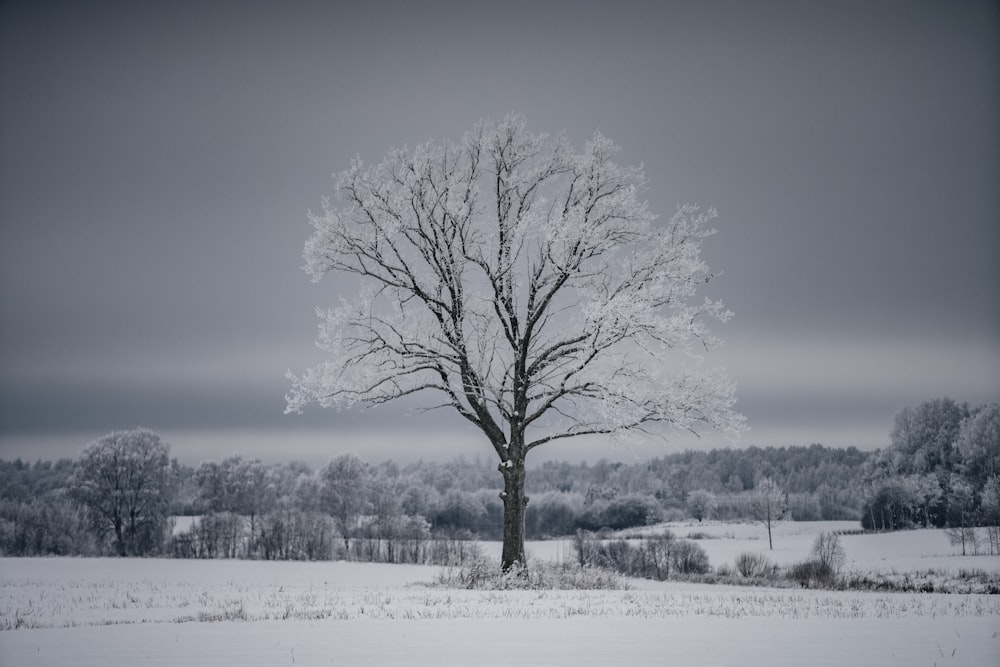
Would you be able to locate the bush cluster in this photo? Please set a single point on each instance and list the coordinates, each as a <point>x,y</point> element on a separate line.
<point>754,565</point>
<point>484,574</point>
<point>659,557</point>
<point>820,570</point>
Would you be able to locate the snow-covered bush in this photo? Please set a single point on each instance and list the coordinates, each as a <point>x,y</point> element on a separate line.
<point>755,565</point>
<point>658,557</point>
<point>689,558</point>
<point>811,574</point>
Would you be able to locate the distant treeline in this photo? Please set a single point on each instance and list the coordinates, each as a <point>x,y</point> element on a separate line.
<point>126,496</point>
<point>353,509</point>
<point>821,483</point>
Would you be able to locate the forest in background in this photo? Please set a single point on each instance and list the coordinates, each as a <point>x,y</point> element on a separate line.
<point>353,499</point>
<point>126,496</point>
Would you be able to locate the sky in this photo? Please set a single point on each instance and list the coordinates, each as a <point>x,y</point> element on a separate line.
<point>158,162</point>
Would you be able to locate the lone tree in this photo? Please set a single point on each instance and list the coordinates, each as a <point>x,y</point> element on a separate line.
<point>527,285</point>
<point>769,504</point>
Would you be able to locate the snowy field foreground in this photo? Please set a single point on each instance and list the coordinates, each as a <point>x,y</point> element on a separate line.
<point>173,612</point>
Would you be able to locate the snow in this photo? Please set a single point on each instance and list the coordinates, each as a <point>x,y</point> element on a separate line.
<point>580,642</point>
<point>104,611</point>
<point>904,551</point>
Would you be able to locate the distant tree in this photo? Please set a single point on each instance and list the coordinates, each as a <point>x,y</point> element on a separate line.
<point>239,486</point>
<point>923,437</point>
<point>630,511</point>
<point>47,525</point>
<point>802,507</point>
<point>418,498</point>
<point>344,494</point>
<point>123,480</point>
<point>187,494</point>
<point>962,514</point>
<point>415,535</point>
<point>768,505</point>
<point>523,284</point>
<point>978,445</point>
<point>386,511</point>
<point>459,511</point>
<point>891,505</point>
<point>553,514</point>
<point>700,504</point>
<point>658,555</point>
<point>925,490</point>
<point>307,492</point>
<point>991,512</point>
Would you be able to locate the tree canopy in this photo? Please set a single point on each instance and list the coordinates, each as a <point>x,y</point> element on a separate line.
<point>527,285</point>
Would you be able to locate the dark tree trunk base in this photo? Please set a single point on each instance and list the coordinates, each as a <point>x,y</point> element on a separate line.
<point>514,504</point>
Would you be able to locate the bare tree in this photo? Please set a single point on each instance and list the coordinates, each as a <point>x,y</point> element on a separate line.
<point>962,514</point>
<point>344,494</point>
<point>237,485</point>
<point>528,286</point>
<point>925,491</point>
<point>829,553</point>
<point>700,504</point>
<point>123,479</point>
<point>991,512</point>
<point>768,505</point>
<point>978,445</point>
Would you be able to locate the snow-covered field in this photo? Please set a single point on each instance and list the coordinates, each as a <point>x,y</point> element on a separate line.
<point>170,612</point>
<point>905,551</point>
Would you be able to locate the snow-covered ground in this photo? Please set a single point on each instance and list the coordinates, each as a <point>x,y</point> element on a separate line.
<point>577,642</point>
<point>173,612</point>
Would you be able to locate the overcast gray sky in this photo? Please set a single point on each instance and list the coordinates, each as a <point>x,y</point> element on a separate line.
<point>159,159</point>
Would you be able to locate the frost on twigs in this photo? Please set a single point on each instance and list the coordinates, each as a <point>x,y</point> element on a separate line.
<point>524,282</point>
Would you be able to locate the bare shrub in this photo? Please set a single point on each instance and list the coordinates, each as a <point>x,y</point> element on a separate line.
<point>699,535</point>
<point>751,564</point>
<point>810,573</point>
<point>689,558</point>
<point>926,581</point>
<point>829,553</point>
<point>658,557</point>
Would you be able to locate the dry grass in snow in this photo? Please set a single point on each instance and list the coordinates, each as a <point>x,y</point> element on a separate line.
<point>169,612</point>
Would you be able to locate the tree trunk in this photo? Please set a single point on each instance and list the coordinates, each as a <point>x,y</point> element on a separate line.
<point>120,536</point>
<point>253,534</point>
<point>514,504</point>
